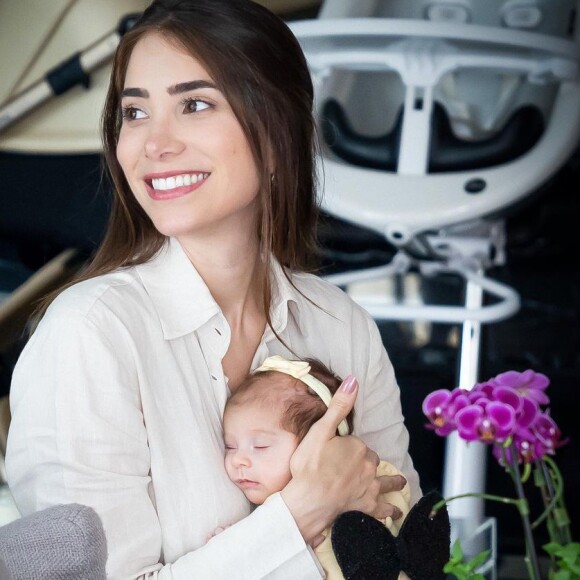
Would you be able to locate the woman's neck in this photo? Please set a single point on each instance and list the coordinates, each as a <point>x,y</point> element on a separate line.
<point>233,272</point>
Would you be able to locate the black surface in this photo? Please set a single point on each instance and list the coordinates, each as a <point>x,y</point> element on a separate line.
<point>51,202</point>
<point>544,267</point>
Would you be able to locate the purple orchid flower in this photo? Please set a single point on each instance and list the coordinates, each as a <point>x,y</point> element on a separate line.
<point>526,410</point>
<point>548,433</point>
<point>489,422</point>
<point>481,394</point>
<point>481,391</point>
<point>528,451</point>
<point>535,435</point>
<point>441,407</point>
<point>506,406</point>
<point>528,384</point>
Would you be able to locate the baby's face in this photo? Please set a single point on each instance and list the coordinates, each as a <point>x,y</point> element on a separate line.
<point>258,451</point>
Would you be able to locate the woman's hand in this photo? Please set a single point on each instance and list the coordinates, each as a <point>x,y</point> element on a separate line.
<point>331,475</point>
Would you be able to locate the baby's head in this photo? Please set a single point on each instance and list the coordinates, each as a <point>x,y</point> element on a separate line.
<point>265,420</point>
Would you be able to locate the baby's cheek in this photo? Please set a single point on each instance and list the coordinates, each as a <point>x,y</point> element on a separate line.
<point>229,468</point>
<point>257,497</point>
<point>283,479</point>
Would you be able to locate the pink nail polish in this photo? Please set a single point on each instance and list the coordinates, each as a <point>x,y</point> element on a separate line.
<point>348,385</point>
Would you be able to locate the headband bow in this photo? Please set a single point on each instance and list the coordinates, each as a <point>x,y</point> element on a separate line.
<point>301,370</point>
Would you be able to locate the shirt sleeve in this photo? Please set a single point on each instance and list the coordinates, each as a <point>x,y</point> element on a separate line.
<point>270,529</point>
<point>78,435</point>
<point>380,419</point>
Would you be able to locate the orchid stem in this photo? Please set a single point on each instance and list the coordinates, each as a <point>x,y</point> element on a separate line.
<point>531,558</point>
<point>554,498</point>
<point>551,497</point>
<point>498,498</point>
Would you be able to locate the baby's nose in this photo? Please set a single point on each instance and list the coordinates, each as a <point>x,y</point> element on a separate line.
<point>241,459</point>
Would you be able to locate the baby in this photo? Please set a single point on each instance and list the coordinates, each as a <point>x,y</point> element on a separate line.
<point>265,420</point>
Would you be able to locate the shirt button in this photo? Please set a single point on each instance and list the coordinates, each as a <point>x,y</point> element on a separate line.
<point>214,378</point>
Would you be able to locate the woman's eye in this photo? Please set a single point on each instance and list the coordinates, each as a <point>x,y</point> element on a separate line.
<point>194,105</point>
<point>261,446</point>
<point>132,113</point>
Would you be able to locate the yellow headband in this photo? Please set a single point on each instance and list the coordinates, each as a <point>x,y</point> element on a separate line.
<point>300,370</point>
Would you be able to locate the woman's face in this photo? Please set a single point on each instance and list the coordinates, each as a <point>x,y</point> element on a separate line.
<point>181,147</point>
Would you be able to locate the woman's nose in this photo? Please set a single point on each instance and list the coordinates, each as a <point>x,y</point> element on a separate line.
<point>161,143</point>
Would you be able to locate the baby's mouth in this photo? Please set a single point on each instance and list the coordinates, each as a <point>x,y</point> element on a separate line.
<point>246,483</point>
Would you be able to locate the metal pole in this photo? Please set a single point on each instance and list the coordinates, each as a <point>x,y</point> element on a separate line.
<point>465,464</point>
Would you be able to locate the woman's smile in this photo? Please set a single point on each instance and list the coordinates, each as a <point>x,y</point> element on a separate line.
<point>173,185</point>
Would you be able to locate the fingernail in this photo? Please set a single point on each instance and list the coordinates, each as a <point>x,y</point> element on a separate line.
<point>348,385</point>
<point>397,513</point>
<point>403,481</point>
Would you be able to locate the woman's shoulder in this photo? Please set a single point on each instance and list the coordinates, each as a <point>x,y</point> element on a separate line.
<point>108,291</point>
<point>326,295</point>
<point>317,286</point>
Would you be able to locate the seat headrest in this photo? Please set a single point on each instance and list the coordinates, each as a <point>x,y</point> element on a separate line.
<point>447,151</point>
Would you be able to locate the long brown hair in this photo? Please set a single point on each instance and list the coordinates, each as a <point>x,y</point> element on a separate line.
<point>258,65</point>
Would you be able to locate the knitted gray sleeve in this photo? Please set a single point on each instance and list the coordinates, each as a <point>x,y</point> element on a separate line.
<point>58,543</point>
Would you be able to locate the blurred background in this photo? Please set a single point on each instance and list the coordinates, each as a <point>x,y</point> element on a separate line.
<point>55,198</point>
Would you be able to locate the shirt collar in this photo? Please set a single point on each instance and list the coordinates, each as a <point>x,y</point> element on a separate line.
<point>179,294</point>
<point>285,298</point>
<point>183,301</point>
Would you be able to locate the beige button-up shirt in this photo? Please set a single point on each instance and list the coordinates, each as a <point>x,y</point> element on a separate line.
<point>117,403</point>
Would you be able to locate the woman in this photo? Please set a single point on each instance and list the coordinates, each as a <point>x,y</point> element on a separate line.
<point>117,399</point>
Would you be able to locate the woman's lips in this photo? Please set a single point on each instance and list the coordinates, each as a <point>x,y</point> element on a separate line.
<point>173,186</point>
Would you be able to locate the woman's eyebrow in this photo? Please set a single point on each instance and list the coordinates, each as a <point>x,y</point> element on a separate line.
<point>190,86</point>
<point>172,90</point>
<point>132,92</point>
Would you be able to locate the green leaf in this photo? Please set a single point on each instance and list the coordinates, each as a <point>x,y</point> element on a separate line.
<point>570,552</point>
<point>576,569</point>
<point>552,548</point>
<point>457,568</point>
<point>526,473</point>
<point>456,551</point>
<point>479,559</point>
